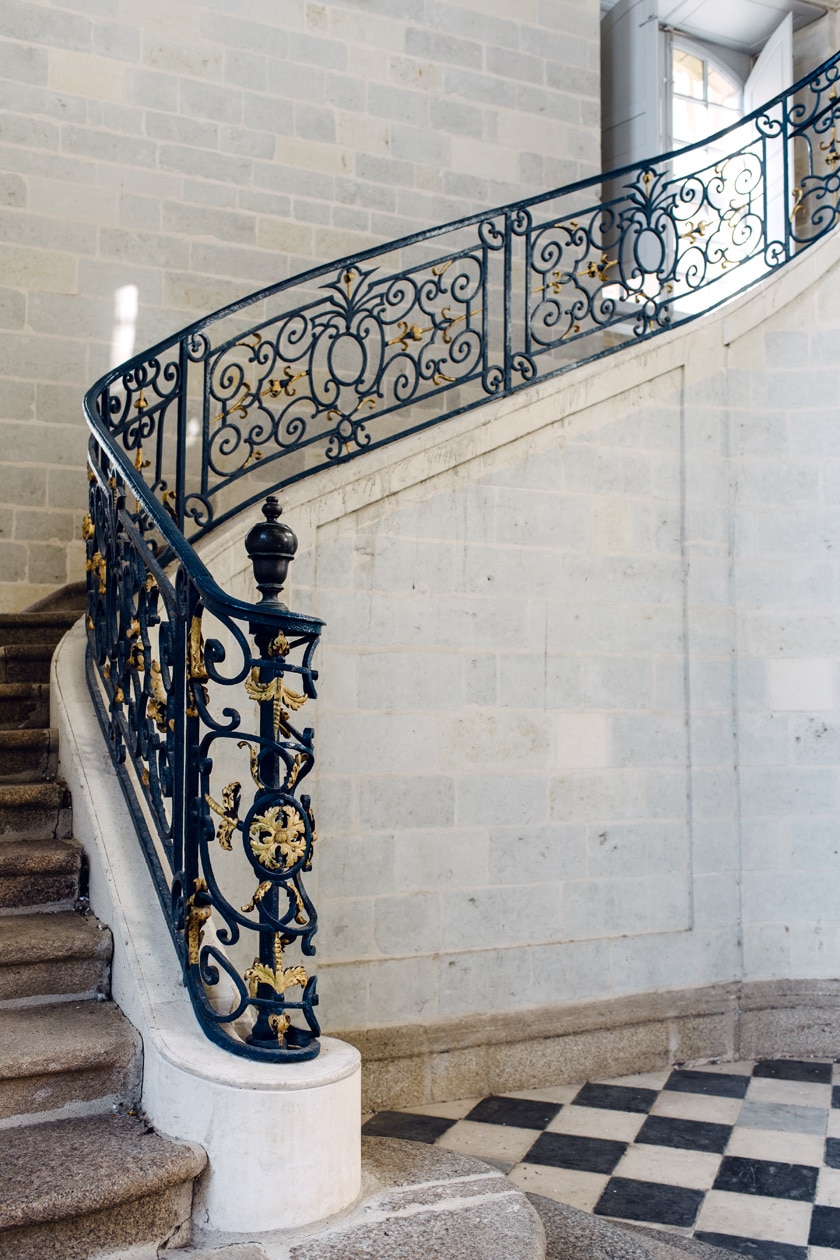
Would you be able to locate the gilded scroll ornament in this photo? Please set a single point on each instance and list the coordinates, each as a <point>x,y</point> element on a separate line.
<point>98,564</point>
<point>262,889</point>
<point>156,703</point>
<point>295,769</point>
<point>254,756</point>
<point>197,916</point>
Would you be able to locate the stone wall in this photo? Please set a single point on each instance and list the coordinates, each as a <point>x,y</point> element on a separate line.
<point>199,151</point>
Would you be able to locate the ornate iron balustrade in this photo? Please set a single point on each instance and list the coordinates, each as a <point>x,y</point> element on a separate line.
<point>312,372</point>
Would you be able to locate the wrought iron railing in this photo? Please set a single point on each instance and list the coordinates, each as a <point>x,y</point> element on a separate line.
<point>308,374</point>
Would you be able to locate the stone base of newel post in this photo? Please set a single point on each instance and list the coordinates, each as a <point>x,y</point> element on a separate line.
<point>283,1141</point>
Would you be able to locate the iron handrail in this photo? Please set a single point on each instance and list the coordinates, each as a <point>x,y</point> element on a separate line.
<point>312,371</point>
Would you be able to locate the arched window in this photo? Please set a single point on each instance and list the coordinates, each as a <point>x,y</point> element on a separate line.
<point>706,96</point>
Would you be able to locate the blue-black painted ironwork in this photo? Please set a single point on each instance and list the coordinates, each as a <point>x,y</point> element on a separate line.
<point>205,787</point>
<point>312,372</point>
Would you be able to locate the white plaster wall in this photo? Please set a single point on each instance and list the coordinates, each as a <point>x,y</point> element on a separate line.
<point>577,727</point>
<point>201,149</point>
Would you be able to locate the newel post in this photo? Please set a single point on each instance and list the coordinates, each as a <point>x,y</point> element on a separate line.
<point>282,835</point>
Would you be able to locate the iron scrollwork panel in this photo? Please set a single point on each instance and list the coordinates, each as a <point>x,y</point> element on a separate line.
<point>228,859</point>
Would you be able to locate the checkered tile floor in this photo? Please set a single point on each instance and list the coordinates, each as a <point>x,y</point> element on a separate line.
<point>741,1155</point>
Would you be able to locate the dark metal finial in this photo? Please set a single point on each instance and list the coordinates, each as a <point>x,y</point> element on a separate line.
<point>271,548</point>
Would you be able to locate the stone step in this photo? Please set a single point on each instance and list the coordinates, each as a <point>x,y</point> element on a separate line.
<point>27,756</point>
<point>571,1234</point>
<point>24,705</point>
<point>26,662</point>
<point>49,955</point>
<point>39,873</point>
<point>66,1055</point>
<point>36,627</point>
<point>76,1187</point>
<point>40,810</point>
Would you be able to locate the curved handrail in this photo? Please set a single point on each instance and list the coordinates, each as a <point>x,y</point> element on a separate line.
<point>312,371</point>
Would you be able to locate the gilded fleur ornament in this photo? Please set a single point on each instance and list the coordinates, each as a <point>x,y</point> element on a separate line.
<point>280,978</point>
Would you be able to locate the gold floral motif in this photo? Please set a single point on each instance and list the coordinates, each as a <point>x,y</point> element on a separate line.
<point>228,812</point>
<point>197,916</point>
<point>408,332</point>
<point>279,694</point>
<point>277,844</point>
<point>88,528</point>
<point>594,270</point>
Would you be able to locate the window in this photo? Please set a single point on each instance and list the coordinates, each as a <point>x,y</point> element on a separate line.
<point>705,96</point>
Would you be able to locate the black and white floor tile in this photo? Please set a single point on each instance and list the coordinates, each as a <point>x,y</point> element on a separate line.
<point>745,1156</point>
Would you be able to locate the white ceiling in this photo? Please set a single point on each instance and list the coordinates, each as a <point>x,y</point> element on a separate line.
<point>741,24</point>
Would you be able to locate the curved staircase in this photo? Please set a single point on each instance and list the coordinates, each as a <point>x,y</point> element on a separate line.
<point>80,1172</point>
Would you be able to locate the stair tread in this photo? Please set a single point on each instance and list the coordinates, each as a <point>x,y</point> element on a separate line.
<point>27,651</point>
<point>21,795</point>
<point>40,809</point>
<point>40,938</point>
<point>69,1168</point>
<point>39,857</point>
<point>36,738</point>
<point>63,1037</point>
<point>21,690</point>
<point>26,662</point>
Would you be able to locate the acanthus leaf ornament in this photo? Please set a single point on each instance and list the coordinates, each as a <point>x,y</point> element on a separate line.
<point>278,694</point>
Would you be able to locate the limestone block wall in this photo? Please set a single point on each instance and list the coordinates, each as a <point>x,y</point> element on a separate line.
<point>198,150</point>
<point>784,389</point>
<point>525,800</point>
